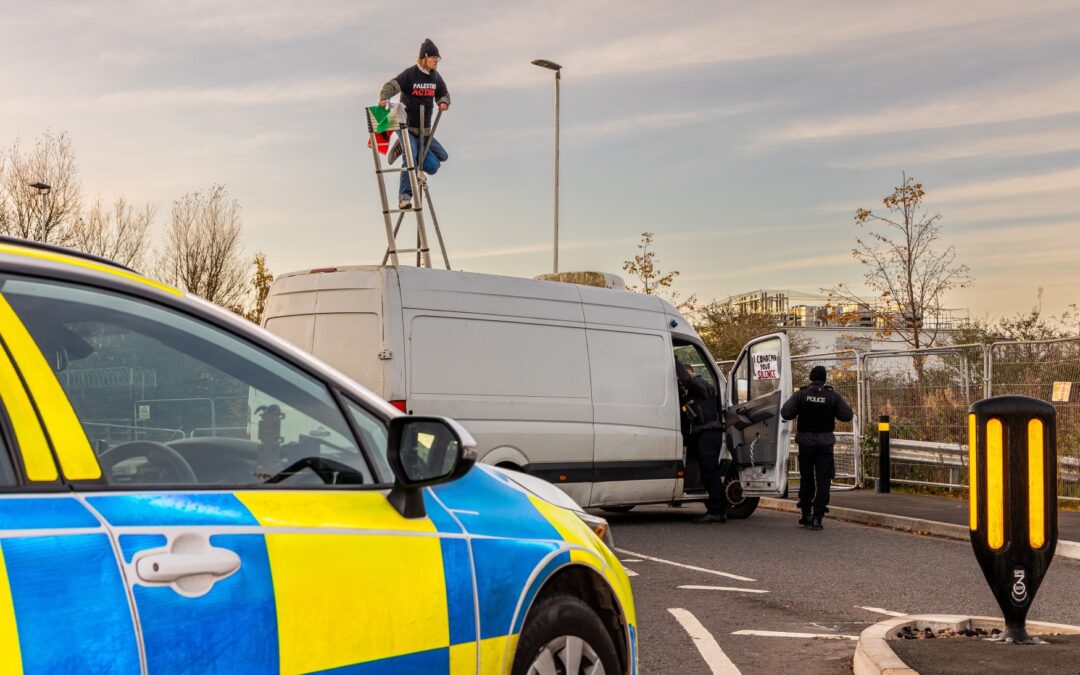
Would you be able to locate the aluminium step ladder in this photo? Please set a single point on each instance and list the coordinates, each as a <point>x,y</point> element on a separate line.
<point>420,190</point>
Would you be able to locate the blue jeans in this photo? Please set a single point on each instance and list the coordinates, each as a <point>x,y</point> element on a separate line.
<point>435,157</point>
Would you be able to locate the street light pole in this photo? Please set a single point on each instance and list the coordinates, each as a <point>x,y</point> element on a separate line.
<point>551,65</point>
<point>43,190</point>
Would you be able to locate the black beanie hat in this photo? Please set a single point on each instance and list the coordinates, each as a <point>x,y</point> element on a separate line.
<point>429,49</point>
<point>818,374</point>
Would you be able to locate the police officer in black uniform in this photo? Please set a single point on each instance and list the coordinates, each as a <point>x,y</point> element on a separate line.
<point>704,435</point>
<point>817,407</point>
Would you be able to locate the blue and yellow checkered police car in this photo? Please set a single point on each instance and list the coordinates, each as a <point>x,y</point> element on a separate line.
<point>181,492</point>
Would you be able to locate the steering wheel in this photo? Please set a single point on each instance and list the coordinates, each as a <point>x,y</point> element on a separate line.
<point>169,462</point>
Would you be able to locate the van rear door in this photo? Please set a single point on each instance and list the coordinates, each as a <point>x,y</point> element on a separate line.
<point>759,383</point>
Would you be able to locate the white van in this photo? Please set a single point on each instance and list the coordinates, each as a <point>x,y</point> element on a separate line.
<point>571,383</point>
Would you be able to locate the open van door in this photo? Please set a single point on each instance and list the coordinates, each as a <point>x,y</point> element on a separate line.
<point>759,383</point>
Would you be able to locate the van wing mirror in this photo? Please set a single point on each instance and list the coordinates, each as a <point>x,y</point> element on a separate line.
<point>425,451</point>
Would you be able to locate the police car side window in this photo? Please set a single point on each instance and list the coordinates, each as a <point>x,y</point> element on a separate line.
<point>165,398</point>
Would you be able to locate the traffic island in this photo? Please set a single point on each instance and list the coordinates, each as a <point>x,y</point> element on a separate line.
<point>959,644</point>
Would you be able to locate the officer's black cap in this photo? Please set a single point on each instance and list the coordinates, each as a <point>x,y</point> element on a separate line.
<point>818,374</point>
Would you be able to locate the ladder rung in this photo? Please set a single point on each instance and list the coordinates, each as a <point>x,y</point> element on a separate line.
<point>400,210</point>
<point>410,250</point>
<point>391,170</point>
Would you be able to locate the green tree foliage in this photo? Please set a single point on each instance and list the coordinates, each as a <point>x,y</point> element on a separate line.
<point>725,330</point>
<point>260,282</point>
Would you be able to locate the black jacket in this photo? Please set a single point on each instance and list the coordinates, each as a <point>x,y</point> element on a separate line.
<point>817,406</point>
<point>418,90</point>
<point>699,402</point>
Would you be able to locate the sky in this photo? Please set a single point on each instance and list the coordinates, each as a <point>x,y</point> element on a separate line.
<point>743,135</point>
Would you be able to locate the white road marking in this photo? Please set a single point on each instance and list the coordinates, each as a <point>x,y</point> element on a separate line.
<point>723,588</point>
<point>625,560</point>
<point>687,567</point>
<point>776,633</point>
<point>715,657</point>
<point>879,610</point>
<point>630,573</point>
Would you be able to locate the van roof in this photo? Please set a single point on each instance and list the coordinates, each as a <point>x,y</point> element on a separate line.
<point>447,280</point>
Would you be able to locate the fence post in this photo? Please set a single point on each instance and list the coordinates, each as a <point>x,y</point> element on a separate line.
<point>883,455</point>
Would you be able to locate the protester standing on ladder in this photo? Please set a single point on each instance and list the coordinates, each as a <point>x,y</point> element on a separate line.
<point>420,86</point>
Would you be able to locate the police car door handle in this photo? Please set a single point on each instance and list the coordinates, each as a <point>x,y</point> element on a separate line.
<point>170,567</point>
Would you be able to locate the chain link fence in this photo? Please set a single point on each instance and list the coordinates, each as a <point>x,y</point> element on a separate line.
<point>1036,369</point>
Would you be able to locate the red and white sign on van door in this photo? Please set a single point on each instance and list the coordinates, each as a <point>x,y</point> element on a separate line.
<point>766,366</point>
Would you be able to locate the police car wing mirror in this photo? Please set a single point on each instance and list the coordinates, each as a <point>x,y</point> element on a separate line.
<point>425,451</point>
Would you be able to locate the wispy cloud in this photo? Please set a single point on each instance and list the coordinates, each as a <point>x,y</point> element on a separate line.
<point>1013,186</point>
<point>997,146</point>
<point>994,104</point>
<point>258,94</point>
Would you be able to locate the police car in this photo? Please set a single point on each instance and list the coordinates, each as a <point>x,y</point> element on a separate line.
<point>182,492</point>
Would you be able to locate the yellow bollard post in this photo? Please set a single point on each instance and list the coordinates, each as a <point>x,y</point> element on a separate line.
<point>1013,501</point>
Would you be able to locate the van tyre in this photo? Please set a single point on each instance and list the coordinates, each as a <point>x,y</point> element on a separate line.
<point>625,508</point>
<point>744,508</point>
<point>562,634</point>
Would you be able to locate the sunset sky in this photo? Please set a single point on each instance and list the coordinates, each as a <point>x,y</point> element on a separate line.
<point>744,135</point>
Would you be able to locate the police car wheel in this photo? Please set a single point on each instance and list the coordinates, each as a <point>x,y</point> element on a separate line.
<point>744,508</point>
<point>564,635</point>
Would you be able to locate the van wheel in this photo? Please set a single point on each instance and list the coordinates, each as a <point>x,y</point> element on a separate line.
<point>625,508</point>
<point>744,508</point>
<point>564,635</point>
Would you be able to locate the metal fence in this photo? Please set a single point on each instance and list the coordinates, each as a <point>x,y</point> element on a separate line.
<point>926,394</point>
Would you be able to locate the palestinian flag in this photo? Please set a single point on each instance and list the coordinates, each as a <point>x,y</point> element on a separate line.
<point>384,121</point>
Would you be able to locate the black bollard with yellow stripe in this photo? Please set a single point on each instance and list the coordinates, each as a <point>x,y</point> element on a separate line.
<point>1012,445</point>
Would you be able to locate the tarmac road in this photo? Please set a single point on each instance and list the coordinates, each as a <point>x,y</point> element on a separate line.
<point>823,587</point>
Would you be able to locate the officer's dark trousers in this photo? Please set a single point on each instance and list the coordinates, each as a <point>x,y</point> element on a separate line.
<point>816,472</point>
<point>707,443</point>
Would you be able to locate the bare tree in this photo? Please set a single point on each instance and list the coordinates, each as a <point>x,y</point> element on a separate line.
<point>653,281</point>
<point>202,252</point>
<point>906,265</point>
<point>120,233</point>
<point>29,213</point>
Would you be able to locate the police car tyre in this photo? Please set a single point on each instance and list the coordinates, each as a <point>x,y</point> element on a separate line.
<point>560,631</point>
<point>744,508</point>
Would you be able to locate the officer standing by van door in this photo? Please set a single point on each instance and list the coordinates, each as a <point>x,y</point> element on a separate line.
<point>704,433</point>
<point>817,407</point>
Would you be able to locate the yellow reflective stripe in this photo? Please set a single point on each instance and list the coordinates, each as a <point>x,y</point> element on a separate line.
<point>365,510</point>
<point>10,656</point>
<point>973,472</point>
<point>344,599</point>
<point>995,484</point>
<point>1036,496</point>
<point>463,659</point>
<point>87,264</point>
<point>33,446</point>
<point>497,654</point>
<point>77,459</point>
<point>883,426</point>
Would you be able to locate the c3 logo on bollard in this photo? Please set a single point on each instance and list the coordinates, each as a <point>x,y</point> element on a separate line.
<point>1019,588</point>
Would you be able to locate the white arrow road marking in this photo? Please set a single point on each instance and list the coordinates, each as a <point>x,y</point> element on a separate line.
<point>724,588</point>
<point>715,657</point>
<point>879,610</point>
<point>776,633</point>
<point>687,567</point>
<point>630,573</point>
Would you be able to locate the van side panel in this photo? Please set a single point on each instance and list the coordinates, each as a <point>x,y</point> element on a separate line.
<point>636,449</point>
<point>513,384</point>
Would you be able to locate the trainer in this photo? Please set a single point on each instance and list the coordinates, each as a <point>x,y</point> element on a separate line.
<point>817,407</point>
